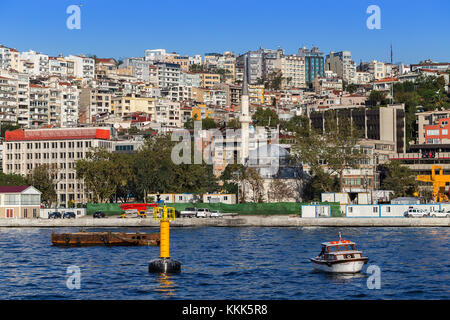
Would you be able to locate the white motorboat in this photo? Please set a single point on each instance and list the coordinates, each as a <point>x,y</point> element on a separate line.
<point>339,257</point>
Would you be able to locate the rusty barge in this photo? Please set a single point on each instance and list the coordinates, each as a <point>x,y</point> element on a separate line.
<point>105,239</point>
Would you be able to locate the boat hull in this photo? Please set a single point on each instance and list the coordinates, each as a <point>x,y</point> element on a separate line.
<point>354,266</point>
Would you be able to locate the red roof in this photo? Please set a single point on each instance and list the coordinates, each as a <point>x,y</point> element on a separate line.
<point>57,134</point>
<point>13,189</point>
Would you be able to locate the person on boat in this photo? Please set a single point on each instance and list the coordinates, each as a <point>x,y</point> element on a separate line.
<point>322,252</point>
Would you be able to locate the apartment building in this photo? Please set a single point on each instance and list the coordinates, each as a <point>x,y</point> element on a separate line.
<point>322,85</point>
<point>254,60</point>
<point>209,80</point>
<point>216,97</point>
<point>105,67</point>
<point>314,63</point>
<point>24,150</point>
<point>190,79</point>
<point>39,102</point>
<point>384,123</point>
<point>376,69</point>
<point>168,74</point>
<point>196,59</point>
<point>293,71</point>
<point>58,66</point>
<point>38,61</point>
<point>132,103</point>
<point>182,61</point>
<point>256,94</point>
<point>9,58</point>
<point>8,99</point>
<point>179,93</point>
<point>228,63</point>
<point>168,113</point>
<point>426,119</point>
<point>93,102</point>
<point>342,64</point>
<point>155,55</point>
<point>233,93</point>
<point>69,97</point>
<point>140,69</point>
<point>363,77</point>
<point>84,67</point>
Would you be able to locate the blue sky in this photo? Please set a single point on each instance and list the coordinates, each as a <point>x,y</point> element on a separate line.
<point>114,28</point>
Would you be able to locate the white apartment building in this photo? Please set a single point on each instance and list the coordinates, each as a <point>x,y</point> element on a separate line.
<point>363,77</point>
<point>61,67</point>
<point>190,79</point>
<point>8,99</point>
<point>24,150</point>
<point>216,97</point>
<point>196,59</point>
<point>39,97</point>
<point>155,55</point>
<point>168,113</point>
<point>69,96</point>
<point>293,71</point>
<point>84,67</point>
<point>38,61</point>
<point>168,74</point>
<point>140,68</point>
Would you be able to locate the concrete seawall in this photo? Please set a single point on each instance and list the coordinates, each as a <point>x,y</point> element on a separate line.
<point>237,221</point>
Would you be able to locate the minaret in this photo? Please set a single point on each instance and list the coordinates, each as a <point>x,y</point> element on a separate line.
<point>245,117</point>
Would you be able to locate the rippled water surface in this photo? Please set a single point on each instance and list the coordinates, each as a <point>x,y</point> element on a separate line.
<point>228,263</point>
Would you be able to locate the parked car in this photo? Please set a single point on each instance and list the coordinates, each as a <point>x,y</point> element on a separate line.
<point>440,214</point>
<point>216,214</point>
<point>203,213</point>
<point>416,213</point>
<point>54,215</point>
<point>69,214</point>
<point>188,212</point>
<point>99,214</point>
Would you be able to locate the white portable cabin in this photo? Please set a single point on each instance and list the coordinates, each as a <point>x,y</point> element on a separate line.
<point>315,211</point>
<point>341,197</point>
<point>385,210</point>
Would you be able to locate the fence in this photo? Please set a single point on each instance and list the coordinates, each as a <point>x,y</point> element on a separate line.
<point>279,208</point>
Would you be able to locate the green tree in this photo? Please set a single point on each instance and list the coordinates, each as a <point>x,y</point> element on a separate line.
<point>233,124</point>
<point>209,123</point>
<point>336,148</point>
<point>41,179</point>
<point>377,97</point>
<point>320,182</point>
<point>103,173</point>
<point>266,117</point>
<point>398,178</point>
<point>12,180</point>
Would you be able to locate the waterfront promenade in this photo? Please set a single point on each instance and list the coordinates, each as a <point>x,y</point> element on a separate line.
<point>236,221</point>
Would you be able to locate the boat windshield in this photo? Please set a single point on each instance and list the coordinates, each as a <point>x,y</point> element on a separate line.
<point>342,247</point>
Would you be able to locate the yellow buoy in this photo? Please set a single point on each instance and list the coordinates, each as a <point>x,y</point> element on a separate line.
<point>164,264</point>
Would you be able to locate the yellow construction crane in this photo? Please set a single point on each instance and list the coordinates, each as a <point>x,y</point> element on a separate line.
<point>439,181</point>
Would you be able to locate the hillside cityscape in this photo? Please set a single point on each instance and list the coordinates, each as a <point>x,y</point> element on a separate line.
<point>82,128</point>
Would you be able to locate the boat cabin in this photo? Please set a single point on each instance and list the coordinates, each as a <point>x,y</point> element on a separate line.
<point>339,250</point>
